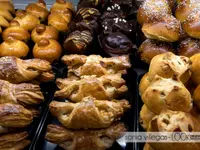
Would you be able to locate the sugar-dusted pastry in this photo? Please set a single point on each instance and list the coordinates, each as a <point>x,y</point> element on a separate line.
<point>174,121</point>
<point>95,114</point>
<point>79,65</point>
<point>168,65</point>
<point>104,87</point>
<point>16,70</point>
<point>145,116</point>
<point>16,31</point>
<point>195,69</point>
<point>14,141</point>
<point>26,20</point>
<point>14,115</point>
<point>38,9</point>
<point>84,139</point>
<point>144,83</point>
<point>167,93</point>
<point>25,93</point>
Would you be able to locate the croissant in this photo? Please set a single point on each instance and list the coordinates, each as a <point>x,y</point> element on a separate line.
<point>104,87</point>
<point>16,70</point>
<point>79,65</point>
<point>14,141</point>
<point>16,31</point>
<point>84,139</point>
<point>95,114</point>
<point>14,116</point>
<point>38,9</point>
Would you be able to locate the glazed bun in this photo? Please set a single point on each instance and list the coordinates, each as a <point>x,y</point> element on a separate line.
<point>13,47</point>
<point>42,31</point>
<point>168,65</point>
<point>168,93</point>
<point>189,47</point>
<point>26,20</point>
<point>174,121</point>
<point>150,48</point>
<point>38,9</point>
<point>61,6</point>
<point>47,49</point>
<point>145,116</point>
<point>195,69</point>
<point>144,83</point>
<point>162,28</point>
<point>16,31</point>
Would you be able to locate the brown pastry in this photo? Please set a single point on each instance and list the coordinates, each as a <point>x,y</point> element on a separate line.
<point>195,69</point>
<point>24,93</point>
<point>38,9</point>
<point>145,116</point>
<point>7,5</point>
<point>148,147</point>
<point>6,14</point>
<point>3,22</point>
<point>13,47</point>
<point>78,41</point>
<point>150,48</point>
<point>196,96</point>
<point>174,121</point>
<point>195,113</point>
<point>95,114</point>
<point>14,116</point>
<point>168,65</point>
<point>42,31</point>
<point>16,31</point>
<point>61,6</point>
<point>4,130</point>
<point>79,65</point>
<point>16,70</point>
<point>26,20</point>
<point>47,49</point>
<point>189,47</point>
<point>87,14</point>
<point>167,93</point>
<point>144,83</point>
<point>84,139</point>
<point>14,141</point>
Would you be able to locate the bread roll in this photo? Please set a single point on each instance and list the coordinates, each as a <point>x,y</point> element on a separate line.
<point>61,6</point>
<point>16,31</point>
<point>196,96</point>
<point>145,116</point>
<point>13,47</point>
<point>195,69</point>
<point>195,113</point>
<point>144,83</point>
<point>189,47</point>
<point>47,49</point>
<point>168,65</point>
<point>42,31</point>
<point>150,48</point>
<point>168,93</point>
<point>26,20</point>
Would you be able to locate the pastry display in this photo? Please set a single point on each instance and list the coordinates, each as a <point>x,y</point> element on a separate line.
<point>79,65</point>
<point>95,113</point>
<point>104,87</point>
<point>84,139</point>
<point>16,70</point>
<point>13,47</point>
<point>47,49</point>
<point>43,31</point>
<point>26,20</point>
<point>38,9</point>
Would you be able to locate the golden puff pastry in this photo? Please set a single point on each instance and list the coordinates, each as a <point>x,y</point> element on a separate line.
<point>104,87</point>
<point>145,116</point>
<point>79,65</point>
<point>84,139</point>
<point>14,141</point>
<point>168,65</point>
<point>144,83</point>
<point>16,70</point>
<point>174,121</point>
<point>25,93</point>
<point>89,113</point>
<point>167,93</point>
<point>14,115</point>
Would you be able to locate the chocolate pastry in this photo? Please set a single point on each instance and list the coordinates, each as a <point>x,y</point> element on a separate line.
<point>87,14</point>
<point>78,41</point>
<point>95,114</point>
<point>116,43</point>
<point>14,116</point>
<point>89,3</point>
<point>109,86</point>
<point>84,139</point>
<point>80,65</point>
<point>16,70</point>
